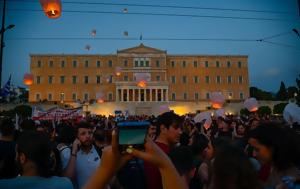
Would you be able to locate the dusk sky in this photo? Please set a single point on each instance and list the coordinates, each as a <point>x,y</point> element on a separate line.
<point>218,26</point>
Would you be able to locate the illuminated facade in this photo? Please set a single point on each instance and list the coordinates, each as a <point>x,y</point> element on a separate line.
<point>167,78</point>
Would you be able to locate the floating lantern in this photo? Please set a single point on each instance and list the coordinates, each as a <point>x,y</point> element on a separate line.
<point>251,104</point>
<point>52,8</point>
<point>100,97</point>
<point>28,79</point>
<point>94,32</point>
<point>118,71</point>
<point>217,100</point>
<point>291,113</point>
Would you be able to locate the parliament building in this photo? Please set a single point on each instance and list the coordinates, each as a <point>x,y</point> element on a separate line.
<point>113,77</point>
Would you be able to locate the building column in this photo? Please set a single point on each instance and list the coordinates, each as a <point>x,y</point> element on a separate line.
<point>117,95</point>
<point>133,95</point>
<point>150,95</point>
<point>122,92</point>
<point>167,95</point>
<point>139,94</point>
<point>156,95</point>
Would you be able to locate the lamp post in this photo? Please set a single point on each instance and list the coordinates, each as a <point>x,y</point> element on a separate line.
<point>2,31</point>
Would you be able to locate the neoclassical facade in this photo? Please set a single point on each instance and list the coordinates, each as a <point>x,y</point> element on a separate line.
<point>113,77</point>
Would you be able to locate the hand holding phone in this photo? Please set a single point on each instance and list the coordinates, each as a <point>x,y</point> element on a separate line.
<point>76,146</point>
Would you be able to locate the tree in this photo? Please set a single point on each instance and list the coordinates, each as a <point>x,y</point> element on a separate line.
<point>298,95</point>
<point>292,91</point>
<point>278,108</point>
<point>282,93</point>
<point>264,110</point>
<point>260,94</point>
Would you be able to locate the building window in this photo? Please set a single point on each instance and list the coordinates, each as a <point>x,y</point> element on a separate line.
<point>74,63</point>
<point>228,64</point>
<point>196,79</point>
<point>240,79</point>
<point>74,96</point>
<point>218,79</point>
<point>207,95</point>
<point>185,96</point>
<point>241,96</point>
<point>125,63</point>
<point>142,63</point>
<point>37,97</point>
<point>86,64</point>
<point>173,79</point>
<point>196,96</point>
<point>136,63</point>
<point>51,63</point>
<point>49,97</point>
<point>157,63</point>
<point>86,79</point>
<point>184,64</point>
<point>147,63</point>
<point>98,63</point>
<point>50,79</point>
<point>195,64</point>
<point>183,79</point>
<point>38,79</point>
<point>125,77</point>
<point>62,79</point>
<point>62,97</point>
<point>98,79</point>
<point>239,64</point>
<point>86,96</point>
<point>39,64</point>
<point>110,63</point>
<point>230,95</point>
<point>207,79</point>
<point>62,64</point>
<point>229,79</point>
<point>158,78</point>
<point>206,64</point>
<point>173,64</point>
<point>173,96</point>
<point>217,64</point>
<point>110,96</point>
<point>74,79</point>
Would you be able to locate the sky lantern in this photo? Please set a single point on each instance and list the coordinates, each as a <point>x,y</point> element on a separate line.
<point>94,32</point>
<point>28,79</point>
<point>217,100</point>
<point>52,8</point>
<point>251,104</point>
<point>118,71</point>
<point>204,116</point>
<point>291,113</point>
<point>100,97</point>
<point>142,79</point>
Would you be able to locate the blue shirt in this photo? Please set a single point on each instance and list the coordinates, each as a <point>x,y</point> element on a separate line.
<point>35,182</point>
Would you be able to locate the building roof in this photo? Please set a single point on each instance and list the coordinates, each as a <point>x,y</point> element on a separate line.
<point>142,49</point>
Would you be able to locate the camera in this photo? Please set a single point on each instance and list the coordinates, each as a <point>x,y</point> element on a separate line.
<point>132,134</point>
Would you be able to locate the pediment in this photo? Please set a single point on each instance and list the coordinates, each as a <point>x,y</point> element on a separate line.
<point>142,49</point>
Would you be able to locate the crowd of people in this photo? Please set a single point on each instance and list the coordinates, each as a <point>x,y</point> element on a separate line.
<point>232,152</point>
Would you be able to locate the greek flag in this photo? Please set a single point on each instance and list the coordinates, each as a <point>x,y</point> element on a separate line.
<point>6,88</point>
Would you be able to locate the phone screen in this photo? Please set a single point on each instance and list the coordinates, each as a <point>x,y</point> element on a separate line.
<point>132,133</point>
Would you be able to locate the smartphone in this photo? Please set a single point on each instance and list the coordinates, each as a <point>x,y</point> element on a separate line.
<point>132,133</point>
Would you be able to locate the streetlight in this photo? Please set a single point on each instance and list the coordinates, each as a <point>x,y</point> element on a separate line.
<point>2,31</point>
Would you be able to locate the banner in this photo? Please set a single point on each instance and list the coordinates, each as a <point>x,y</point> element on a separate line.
<point>57,114</point>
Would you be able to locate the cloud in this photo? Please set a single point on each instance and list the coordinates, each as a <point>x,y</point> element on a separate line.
<point>272,72</point>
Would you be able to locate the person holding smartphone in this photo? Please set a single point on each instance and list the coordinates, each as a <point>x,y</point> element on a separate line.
<point>84,158</point>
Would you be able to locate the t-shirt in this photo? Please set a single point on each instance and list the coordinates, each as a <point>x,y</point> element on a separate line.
<point>35,182</point>
<point>86,164</point>
<point>153,177</point>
